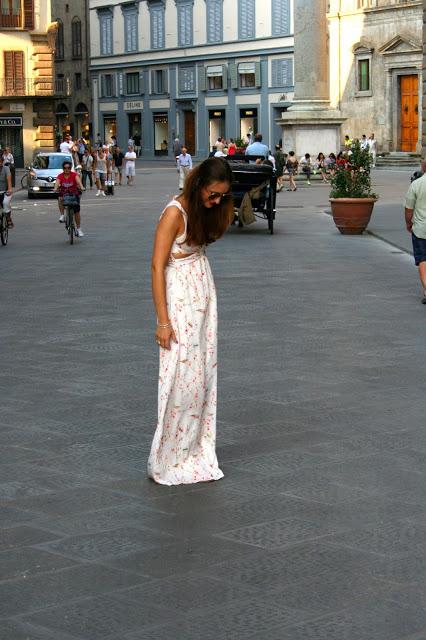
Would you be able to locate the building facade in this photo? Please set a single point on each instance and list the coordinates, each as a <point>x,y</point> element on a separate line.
<point>28,87</point>
<point>73,109</point>
<point>375,53</point>
<point>424,83</point>
<point>194,68</point>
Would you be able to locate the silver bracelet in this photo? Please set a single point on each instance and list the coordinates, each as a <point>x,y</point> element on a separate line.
<point>164,326</point>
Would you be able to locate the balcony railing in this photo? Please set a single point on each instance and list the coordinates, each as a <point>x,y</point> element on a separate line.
<point>34,87</point>
<point>9,21</point>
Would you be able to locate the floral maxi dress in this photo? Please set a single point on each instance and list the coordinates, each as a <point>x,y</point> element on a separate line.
<point>183,450</point>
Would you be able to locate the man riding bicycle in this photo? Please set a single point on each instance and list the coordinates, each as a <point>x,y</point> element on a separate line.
<point>69,183</point>
<point>6,191</point>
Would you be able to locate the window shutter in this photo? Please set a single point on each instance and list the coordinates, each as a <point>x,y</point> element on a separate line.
<point>224,77</point>
<point>14,71</point>
<point>214,20</point>
<point>282,73</point>
<point>165,81</point>
<point>29,14</point>
<point>103,87</point>
<point>141,82</point>
<point>157,27</point>
<point>246,19</point>
<point>257,74</point>
<point>153,83</point>
<point>280,17</point>
<point>233,72</point>
<point>202,83</point>
<point>185,24</point>
<point>120,84</point>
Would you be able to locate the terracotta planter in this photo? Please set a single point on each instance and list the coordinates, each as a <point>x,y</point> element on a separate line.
<point>352,215</point>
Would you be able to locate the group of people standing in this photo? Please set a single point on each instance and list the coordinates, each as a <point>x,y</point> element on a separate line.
<point>98,165</point>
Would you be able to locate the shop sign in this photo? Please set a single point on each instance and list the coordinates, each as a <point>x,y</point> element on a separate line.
<point>10,121</point>
<point>133,106</point>
<point>17,106</point>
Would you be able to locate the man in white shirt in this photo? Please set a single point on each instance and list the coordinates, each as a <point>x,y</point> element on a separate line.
<point>372,147</point>
<point>67,145</point>
<point>130,159</point>
<point>184,163</point>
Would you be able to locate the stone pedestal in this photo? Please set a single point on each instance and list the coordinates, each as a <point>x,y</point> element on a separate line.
<point>309,125</point>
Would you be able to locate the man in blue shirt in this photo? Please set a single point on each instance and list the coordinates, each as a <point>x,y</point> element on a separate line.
<point>257,148</point>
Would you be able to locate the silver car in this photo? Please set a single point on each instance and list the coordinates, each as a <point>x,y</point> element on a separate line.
<point>44,170</point>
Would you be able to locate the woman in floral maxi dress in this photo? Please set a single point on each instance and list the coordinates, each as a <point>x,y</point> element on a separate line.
<point>184,446</point>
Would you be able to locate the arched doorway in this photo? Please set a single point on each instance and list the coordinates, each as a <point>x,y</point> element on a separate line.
<point>82,126</point>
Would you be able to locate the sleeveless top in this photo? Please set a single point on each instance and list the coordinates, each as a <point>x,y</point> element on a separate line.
<point>101,164</point>
<point>179,245</point>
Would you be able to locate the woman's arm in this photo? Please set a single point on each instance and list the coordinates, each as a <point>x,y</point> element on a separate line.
<point>167,230</point>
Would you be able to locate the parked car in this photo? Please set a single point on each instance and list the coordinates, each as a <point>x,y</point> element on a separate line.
<point>44,170</point>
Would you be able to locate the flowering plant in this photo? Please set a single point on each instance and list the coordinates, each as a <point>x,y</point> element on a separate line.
<point>353,179</point>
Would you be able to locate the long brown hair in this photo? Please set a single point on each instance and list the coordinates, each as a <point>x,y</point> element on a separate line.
<point>207,225</point>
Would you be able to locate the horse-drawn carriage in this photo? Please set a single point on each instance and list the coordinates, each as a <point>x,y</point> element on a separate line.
<point>254,189</point>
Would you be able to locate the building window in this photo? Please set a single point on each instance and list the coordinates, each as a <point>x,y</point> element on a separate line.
<point>246,19</point>
<point>10,13</point>
<point>14,73</point>
<point>159,81</point>
<point>187,80</point>
<point>132,83</point>
<point>76,37</point>
<point>282,73</point>
<point>105,24</point>
<point>156,9</point>
<point>107,85</point>
<point>185,22</point>
<point>130,15</point>
<point>247,74</point>
<point>364,75</point>
<point>214,10</point>
<point>77,81</point>
<point>59,46</point>
<point>215,77</point>
<point>280,17</point>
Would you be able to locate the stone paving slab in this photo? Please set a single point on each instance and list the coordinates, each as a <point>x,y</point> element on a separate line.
<point>317,530</point>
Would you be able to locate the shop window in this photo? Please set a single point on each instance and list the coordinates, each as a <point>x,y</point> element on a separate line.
<point>185,22</point>
<point>280,17</point>
<point>156,9</point>
<point>132,83</point>
<point>106,35</point>
<point>59,46</point>
<point>107,85</point>
<point>246,19</point>
<point>282,73</point>
<point>130,16</point>
<point>187,80</point>
<point>214,9</point>
<point>159,81</point>
<point>76,37</point>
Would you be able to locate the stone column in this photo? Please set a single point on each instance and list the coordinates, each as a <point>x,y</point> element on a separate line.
<point>311,65</point>
<point>310,125</point>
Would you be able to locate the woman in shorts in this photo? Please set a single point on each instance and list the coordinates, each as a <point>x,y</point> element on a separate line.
<point>101,170</point>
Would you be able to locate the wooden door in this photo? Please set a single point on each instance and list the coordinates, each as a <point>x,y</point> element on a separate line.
<point>190,131</point>
<point>409,112</point>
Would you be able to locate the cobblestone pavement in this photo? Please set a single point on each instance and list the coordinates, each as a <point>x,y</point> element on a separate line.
<point>317,531</point>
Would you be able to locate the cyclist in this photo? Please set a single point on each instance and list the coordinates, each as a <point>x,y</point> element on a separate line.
<point>69,183</point>
<point>6,191</point>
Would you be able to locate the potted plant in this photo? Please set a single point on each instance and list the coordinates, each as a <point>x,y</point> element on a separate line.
<point>241,145</point>
<point>351,198</point>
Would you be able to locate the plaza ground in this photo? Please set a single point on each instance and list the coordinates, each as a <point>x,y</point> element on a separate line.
<point>317,531</point>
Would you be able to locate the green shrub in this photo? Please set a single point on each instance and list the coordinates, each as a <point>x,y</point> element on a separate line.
<point>353,180</point>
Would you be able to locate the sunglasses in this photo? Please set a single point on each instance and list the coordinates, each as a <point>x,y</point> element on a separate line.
<point>214,195</point>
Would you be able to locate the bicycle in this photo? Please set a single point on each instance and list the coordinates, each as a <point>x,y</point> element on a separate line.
<point>71,229</point>
<point>4,229</point>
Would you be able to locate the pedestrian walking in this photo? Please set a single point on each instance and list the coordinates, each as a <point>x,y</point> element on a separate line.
<point>415,220</point>
<point>118,158</point>
<point>177,147</point>
<point>280,161</point>
<point>87,168</point>
<point>6,192</point>
<point>9,161</point>
<point>372,147</point>
<point>291,166</point>
<point>130,159</point>
<point>183,447</point>
<point>184,163</point>
<point>101,167</point>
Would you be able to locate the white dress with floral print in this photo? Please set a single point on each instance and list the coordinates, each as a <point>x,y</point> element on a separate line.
<point>183,450</point>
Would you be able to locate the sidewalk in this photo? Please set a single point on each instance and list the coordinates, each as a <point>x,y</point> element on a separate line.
<point>318,529</point>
